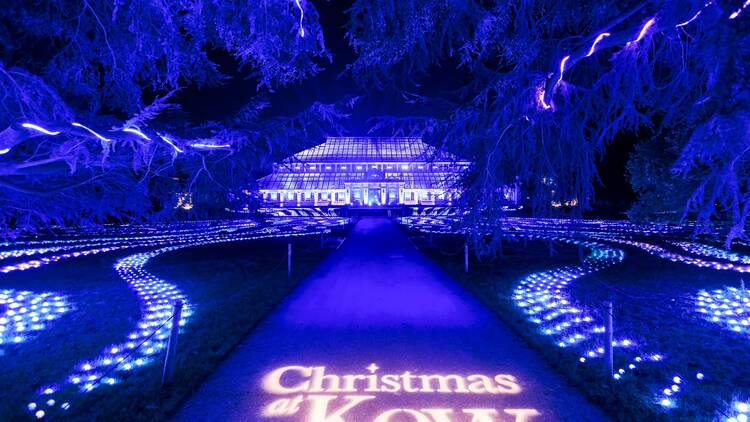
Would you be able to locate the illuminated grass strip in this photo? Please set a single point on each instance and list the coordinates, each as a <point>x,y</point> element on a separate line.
<point>729,308</point>
<point>713,252</point>
<point>543,296</point>
<point>676,257</point>
<point>156,296</point>
<point>84,247</point>
<point>25,313</point>
<point>145,343</point>
<point>545,299</point>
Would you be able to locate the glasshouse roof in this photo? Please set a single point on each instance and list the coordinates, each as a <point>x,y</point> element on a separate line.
<point>368,149</point>
<point>335,181</point>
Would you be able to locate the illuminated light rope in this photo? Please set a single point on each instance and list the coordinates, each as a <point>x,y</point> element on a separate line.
<point>40,129</point>
<point>171,143</point>
<point>156,297</point>
<point>201,145</point>
<point>737,12</point>
<point>26,313</point>
<point>541,99</point>
<point>644,30</point>
<point>137,132</point>
<point>598,39</point>
<point>301,17</point>
<point>695,16</point>
<point>562,70</point>
<point>91,131</point>
<point>713,252</point>
<point>145,343</point>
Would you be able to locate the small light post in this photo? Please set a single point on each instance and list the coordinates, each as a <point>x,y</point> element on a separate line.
<point>171,356</point>
<point>466,257</point>
<point>289,259</point>
<point>608,338</point>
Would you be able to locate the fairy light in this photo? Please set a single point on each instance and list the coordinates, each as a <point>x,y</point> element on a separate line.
<point>4,151</point>
<point>137,132</point>
<point>301,17</point>
<point>695,16</point>
<point>644,30</point>
<point>562,70</point>
<point>91,131</point>
<point>598,39</point>
<point>171,143</point>
<point>737,12</point>
<point>39,129</point>
<point>199,145</point>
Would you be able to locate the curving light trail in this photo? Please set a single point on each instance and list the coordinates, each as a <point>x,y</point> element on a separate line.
<point>149,338</point>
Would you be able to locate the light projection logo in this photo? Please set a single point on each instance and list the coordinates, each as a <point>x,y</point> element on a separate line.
<point>314,394</point>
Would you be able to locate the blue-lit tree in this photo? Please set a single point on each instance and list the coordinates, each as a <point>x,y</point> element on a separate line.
<point>549,84</point>
<point>88,129</point>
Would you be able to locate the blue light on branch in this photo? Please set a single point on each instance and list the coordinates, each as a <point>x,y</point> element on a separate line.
<point>596,42</point>
<point>137,132</point>
<point>91,131</point>
<point>301,17</point>
<point>40,129</point>
<point>644,31</point>
<point>201,145</point>
<point>171,143</point>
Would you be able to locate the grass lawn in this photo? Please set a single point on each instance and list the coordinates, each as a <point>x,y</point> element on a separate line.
<point>653,306</point>
<point>231,287</point>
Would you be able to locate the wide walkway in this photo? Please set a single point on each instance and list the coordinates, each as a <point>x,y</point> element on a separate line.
<point>379,333</point>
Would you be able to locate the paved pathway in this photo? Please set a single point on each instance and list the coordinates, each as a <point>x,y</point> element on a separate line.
<point>378,300</point>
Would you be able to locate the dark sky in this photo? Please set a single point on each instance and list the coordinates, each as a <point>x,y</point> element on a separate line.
<point>614,194</point>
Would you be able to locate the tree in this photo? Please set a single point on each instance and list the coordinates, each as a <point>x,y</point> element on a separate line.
<point>550,84</point>
<point>89,131</point>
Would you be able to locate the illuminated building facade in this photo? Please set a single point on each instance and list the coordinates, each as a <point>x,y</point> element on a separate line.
<point>365,172</point>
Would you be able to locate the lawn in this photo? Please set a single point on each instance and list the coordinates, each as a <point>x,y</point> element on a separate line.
<point>654,306</point>
<point>231,288</point>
